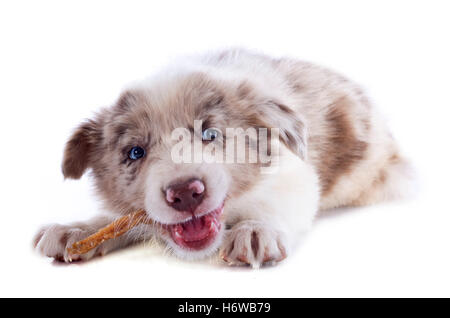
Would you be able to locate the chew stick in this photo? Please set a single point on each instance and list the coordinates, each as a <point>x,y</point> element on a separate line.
<point>113,230</point>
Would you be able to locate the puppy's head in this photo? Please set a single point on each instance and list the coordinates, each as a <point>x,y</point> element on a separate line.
<point>131,149</point>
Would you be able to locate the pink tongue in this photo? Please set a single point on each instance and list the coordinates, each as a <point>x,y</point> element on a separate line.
<point>196,229</point>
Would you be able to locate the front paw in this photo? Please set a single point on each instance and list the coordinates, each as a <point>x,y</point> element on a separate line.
<point>253,243</point>
<point>53,241</point>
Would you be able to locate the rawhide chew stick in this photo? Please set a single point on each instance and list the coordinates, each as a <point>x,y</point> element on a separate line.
<point>113,230</point>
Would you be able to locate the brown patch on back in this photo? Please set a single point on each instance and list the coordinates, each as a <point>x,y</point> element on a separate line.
<point>342,149</point>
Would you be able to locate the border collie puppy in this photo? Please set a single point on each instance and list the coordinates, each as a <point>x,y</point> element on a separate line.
<point>232,152</point>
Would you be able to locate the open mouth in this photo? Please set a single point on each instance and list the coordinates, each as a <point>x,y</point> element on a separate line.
<point>198,232</point>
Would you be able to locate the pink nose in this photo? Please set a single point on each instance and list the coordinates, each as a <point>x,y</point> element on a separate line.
<point>185,196</point>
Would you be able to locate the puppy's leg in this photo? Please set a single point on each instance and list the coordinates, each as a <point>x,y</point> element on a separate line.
<point>53,240</point>
<point>395,179</point>
<point>270,219</point>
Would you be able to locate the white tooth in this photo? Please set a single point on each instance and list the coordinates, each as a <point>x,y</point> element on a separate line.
<point>177,235</point>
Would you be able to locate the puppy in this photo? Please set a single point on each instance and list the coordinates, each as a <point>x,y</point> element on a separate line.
<point>325,147</point>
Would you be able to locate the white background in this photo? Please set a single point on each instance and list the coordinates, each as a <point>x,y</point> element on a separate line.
<point>61,61</point>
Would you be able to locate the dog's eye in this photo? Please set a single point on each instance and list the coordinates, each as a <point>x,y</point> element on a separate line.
<point>210,134</point>
<point>136,153</point>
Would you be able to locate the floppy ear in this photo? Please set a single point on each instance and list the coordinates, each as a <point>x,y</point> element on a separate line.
<point>79,149</point>
<point>291,126</point>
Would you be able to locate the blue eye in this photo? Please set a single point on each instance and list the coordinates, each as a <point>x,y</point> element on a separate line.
<point>210,134</point>
<point>136,153</point>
